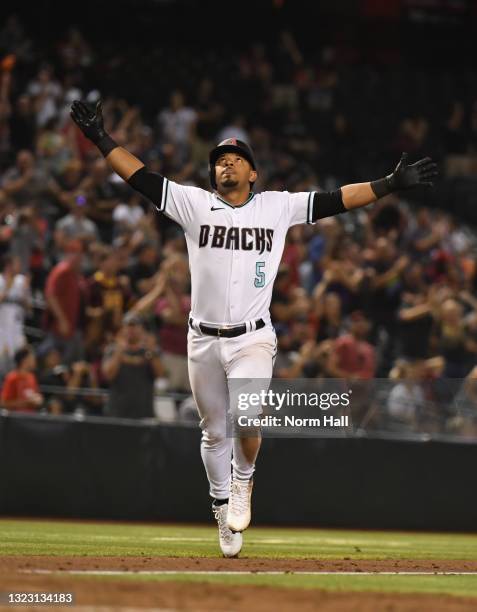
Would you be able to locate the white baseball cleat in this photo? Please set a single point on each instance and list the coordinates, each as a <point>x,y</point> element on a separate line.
<point>230,543</point>
<point>240,513</point>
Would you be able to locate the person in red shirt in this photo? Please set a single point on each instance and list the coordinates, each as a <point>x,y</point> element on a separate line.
<point>172,310</point>
<point>65,293</point>
<point>354,357</point>
<point>170,302</point>
<point>20,388</point>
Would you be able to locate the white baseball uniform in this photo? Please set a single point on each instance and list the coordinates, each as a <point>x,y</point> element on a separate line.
<point>234,255</point>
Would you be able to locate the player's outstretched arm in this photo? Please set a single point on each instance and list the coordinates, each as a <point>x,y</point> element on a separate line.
<point>129,167</point>
<point>405,176</point>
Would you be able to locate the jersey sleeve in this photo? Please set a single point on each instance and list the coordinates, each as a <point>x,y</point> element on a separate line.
<point>300,207</point>
<point>179,202</point>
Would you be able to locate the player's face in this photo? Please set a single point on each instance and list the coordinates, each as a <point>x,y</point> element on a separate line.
<point>232,171</point>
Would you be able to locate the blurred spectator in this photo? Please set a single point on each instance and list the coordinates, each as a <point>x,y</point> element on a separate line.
<point>101,194</point>
<point>25,182</point>
<point>15,302</point>
<point>82,385</point>
<point>52,150</point>
<point>413,134</point>
<point>235,129</point>
<point>54,374</point>
<point>130,365</point>
<point>107,300</point>
<point>45,92</point>
<point>13,38</point>
<point>406,402</point>
<point>353,356</point>
<point>450,339</point>
<point>329,315</point>
<point>464,420</point>
<point>384,277</point>
<point>281,297</point>
<point>342,276</point>
<point>75,225</point>
<point>22,124</point>
<point>209,110</point>
<point>68,180</point>
<point>385,271</point>
<point>63,385</point>
<point>177,123</point>
<point>171,304</point>
<point>65,294</point>
<point>20,388</point>
<point>74,50</point>
<point>142,272</point>
<point>128,214</point>
<point>27,240</point>
<point>426,235</point>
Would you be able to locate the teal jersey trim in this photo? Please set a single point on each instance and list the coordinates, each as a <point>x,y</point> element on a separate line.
<point>250,197</point>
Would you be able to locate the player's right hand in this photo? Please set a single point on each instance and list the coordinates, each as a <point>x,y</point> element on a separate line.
<point>89,121</point>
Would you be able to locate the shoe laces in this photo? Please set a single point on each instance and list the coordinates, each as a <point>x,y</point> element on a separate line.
<point>239,496</point>
<point>220,514</point>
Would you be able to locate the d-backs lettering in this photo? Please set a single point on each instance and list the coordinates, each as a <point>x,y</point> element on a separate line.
<point>244,238</point>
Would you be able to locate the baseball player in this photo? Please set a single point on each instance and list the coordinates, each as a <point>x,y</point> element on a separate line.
<point>235,239</point>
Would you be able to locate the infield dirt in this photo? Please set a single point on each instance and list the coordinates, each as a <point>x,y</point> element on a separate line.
<point>179,564</point>
<point>104,593</point>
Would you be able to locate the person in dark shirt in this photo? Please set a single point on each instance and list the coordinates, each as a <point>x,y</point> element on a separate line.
<point>131,365</point>
<point>23,124</point>
<point>143,271</point>
<point>330,319</point>
<point>415,314</point>
<point>53,375</point>
<point>386,284</point>
<point>450,339</point>
<point>415,326</point>
<point>64,386</point>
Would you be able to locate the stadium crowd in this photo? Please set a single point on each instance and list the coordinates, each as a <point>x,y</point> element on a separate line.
<point>94,285</point>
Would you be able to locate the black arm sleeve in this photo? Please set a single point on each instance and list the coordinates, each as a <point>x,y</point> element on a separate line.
<point>327,204</point>
<point>149,184</point>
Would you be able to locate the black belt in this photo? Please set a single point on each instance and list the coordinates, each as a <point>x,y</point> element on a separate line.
<point>227,332</point>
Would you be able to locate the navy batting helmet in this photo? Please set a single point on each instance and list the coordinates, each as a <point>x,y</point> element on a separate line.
<point>231,145</point>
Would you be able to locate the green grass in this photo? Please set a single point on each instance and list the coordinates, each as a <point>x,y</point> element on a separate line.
<point>26,537</point>
<point>109,539</point>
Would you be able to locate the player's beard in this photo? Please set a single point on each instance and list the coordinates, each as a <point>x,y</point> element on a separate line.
<point>229,182</point>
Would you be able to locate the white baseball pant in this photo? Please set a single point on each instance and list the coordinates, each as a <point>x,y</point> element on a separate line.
<point>213,362</point>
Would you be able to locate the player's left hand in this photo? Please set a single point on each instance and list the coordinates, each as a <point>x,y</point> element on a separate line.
<point>407,175</point>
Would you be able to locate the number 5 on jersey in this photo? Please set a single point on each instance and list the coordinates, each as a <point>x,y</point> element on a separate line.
<point>259,274</point>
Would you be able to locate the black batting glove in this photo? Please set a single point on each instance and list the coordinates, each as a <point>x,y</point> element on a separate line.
<point>406,176</point>
<point>89,121</point>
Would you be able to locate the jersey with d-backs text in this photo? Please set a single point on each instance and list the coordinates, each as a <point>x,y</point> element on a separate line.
<point>234,251</point>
